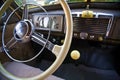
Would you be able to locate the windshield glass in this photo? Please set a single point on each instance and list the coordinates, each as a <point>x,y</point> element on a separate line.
<point>52,2</point>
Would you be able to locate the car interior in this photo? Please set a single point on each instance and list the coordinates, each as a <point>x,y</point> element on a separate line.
<point>59,40</point>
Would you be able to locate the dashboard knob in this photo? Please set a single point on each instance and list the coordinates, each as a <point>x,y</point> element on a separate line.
<point>75,54</point>
<point>83,35</point>
<point>100,38</point>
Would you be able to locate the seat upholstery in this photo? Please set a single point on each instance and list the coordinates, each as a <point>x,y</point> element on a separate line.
<point>23,70</point>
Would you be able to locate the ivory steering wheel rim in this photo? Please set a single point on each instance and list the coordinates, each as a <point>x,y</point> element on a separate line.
<point>60,51</point>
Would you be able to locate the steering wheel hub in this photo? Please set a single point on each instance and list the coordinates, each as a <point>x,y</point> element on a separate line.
<point>23,30</point>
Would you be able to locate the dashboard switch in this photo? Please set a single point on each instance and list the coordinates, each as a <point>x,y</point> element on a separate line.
<point>75,54</point>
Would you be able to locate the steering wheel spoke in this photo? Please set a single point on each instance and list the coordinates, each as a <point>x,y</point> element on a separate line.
<point>42,41</point>
<point>56,50</point>
<point>11,43</point>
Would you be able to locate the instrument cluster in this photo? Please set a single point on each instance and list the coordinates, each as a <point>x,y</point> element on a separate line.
<point>48,22</point>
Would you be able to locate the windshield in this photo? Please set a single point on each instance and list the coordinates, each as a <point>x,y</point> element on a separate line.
<point>52,2</point>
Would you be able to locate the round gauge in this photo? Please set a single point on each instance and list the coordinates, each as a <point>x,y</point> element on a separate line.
<point>44,22</point>
<point>50,22</point>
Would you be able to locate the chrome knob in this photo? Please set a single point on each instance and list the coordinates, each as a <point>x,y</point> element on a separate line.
<point>83,35</point>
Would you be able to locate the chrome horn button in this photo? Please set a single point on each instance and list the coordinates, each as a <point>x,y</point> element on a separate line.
<point>22,31</point>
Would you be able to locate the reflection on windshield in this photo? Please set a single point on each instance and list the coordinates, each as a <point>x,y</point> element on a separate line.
<point>52,2</point>
<point>40,2</point>
<point>44,2</point>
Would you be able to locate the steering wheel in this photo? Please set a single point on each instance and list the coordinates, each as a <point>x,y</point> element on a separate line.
<point>28,29</point>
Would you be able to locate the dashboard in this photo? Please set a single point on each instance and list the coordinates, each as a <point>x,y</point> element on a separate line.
<point>88,24</point>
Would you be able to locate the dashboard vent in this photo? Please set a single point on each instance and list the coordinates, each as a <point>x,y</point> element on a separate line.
<point>90,25</point>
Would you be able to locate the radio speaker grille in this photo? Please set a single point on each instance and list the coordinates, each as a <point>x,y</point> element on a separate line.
<point>90,25</point>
